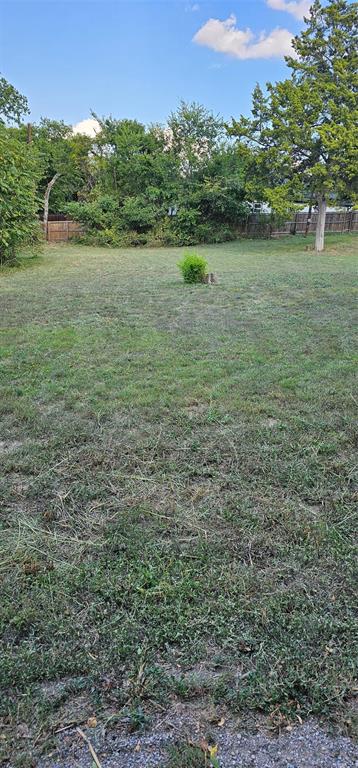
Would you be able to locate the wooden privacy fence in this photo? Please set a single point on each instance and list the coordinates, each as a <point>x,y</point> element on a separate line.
<point>260,225</point>
<point>61,231</point>
<point>336,221</point>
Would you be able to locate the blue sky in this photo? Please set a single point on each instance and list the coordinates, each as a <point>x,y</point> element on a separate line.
<point>136,58</point>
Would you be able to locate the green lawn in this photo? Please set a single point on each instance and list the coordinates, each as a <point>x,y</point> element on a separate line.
<point>177,483</point>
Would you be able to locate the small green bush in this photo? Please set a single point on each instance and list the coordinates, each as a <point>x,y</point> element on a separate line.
<point>193,268</point>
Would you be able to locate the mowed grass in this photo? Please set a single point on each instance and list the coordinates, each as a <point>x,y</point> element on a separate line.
<point>177,484</point>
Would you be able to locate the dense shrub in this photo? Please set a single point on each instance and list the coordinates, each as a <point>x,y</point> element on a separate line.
<point>193,268</point>
<point>214,233</point>
<point>137,214</point>
<point>19,225</point>
<point>163,234</point>
<point>114,238</point>
<point>101,237</point>
<point>99,214</point>
<point>185,225</point>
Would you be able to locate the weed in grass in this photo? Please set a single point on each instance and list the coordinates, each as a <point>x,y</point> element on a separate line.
<point>185,756</point>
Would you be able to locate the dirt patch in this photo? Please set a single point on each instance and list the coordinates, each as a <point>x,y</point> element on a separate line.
<point>8,446</point>
<point>271,423</point>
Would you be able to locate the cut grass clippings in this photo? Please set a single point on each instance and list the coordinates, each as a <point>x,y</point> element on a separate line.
<point>177,484</point>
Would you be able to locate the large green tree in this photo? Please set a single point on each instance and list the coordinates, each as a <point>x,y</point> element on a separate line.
<point>133,177</point>
<point>18,203</point>
<point>18,177</point>
<point>64,164</point>
<point>13,105</point>
<point>195,135</point>
<point>129,157</point>
<point>303,131</point>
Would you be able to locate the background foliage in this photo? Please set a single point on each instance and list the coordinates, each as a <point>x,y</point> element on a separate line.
<point>302,137</point>
<point>18,206</point>
<point>196,179</point>
<point>18,178</point>
<point>178,184</point>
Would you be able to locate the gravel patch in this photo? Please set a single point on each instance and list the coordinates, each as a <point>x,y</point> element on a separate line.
<point>306,746</point>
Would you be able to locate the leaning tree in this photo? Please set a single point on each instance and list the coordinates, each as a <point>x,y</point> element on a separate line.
<point>304,130</point>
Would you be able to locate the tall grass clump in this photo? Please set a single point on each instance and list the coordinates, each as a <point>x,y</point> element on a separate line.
<point>193,268</point>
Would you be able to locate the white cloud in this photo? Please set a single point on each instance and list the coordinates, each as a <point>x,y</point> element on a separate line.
<point>88,127</point>
<point>193,7</point>
<point>226,37</point>
<point>298,8</point>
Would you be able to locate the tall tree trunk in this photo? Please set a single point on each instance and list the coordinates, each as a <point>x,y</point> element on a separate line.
<point>321,223</point>
<point>309,216</point>
<point>46,202</point>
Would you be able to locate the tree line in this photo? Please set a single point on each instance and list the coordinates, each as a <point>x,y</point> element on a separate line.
<point>196,178</point>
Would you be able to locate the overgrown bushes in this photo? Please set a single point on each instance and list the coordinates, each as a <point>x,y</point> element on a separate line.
<point>175,185</point>
<point>133,225</point>
<point>19,225</point>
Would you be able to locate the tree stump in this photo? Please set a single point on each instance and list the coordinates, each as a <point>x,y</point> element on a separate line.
<point>210,278</point>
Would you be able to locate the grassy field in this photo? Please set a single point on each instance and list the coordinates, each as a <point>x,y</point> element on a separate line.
<point>177,485</point>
